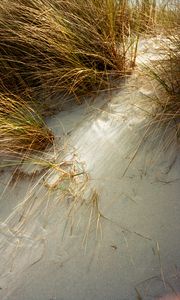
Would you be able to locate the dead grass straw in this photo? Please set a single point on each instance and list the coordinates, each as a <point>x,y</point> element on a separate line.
<point>22,130</point>
<point>72,46</point>
<point>166,74</point>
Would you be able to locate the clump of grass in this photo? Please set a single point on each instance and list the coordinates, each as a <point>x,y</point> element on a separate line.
<point>168,15</point>
<point>72,46</point>
<point>152,16</point>
<point>166,73</point>
<point>22,130</point>
<point>143,16</point>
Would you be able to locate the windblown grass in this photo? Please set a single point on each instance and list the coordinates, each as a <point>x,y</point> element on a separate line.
<point>143,17</point>
<point>152,16</point>
<point>72,46</point>
<point>75,46</point>
<point>21,128</point>
<point>166,73</point>
<point>168,15</point>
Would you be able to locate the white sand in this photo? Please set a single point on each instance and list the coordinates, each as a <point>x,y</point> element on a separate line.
<point>122,233</point>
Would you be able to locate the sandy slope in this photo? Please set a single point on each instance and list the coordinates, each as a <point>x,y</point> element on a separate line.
<point>117,233</point>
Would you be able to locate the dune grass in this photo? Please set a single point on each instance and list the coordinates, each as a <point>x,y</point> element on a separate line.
<point>22,130</point>
<point>168,15</point>
<point>75,47</point>
<point>152,16</point>
<point>166,74</point>
<point>72,46</point>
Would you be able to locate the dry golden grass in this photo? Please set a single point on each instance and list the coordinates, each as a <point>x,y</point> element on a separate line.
<point>166,74</point>
<point>72,46</point>
<point>21,128</point>
<point>152,16</point>
<point>168,15</point>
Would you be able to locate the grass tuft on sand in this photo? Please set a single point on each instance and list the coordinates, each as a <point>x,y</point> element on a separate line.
<point>166,74</point>
<point>75,48</point>
<point>22,130</point>
<point>70,46</point>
